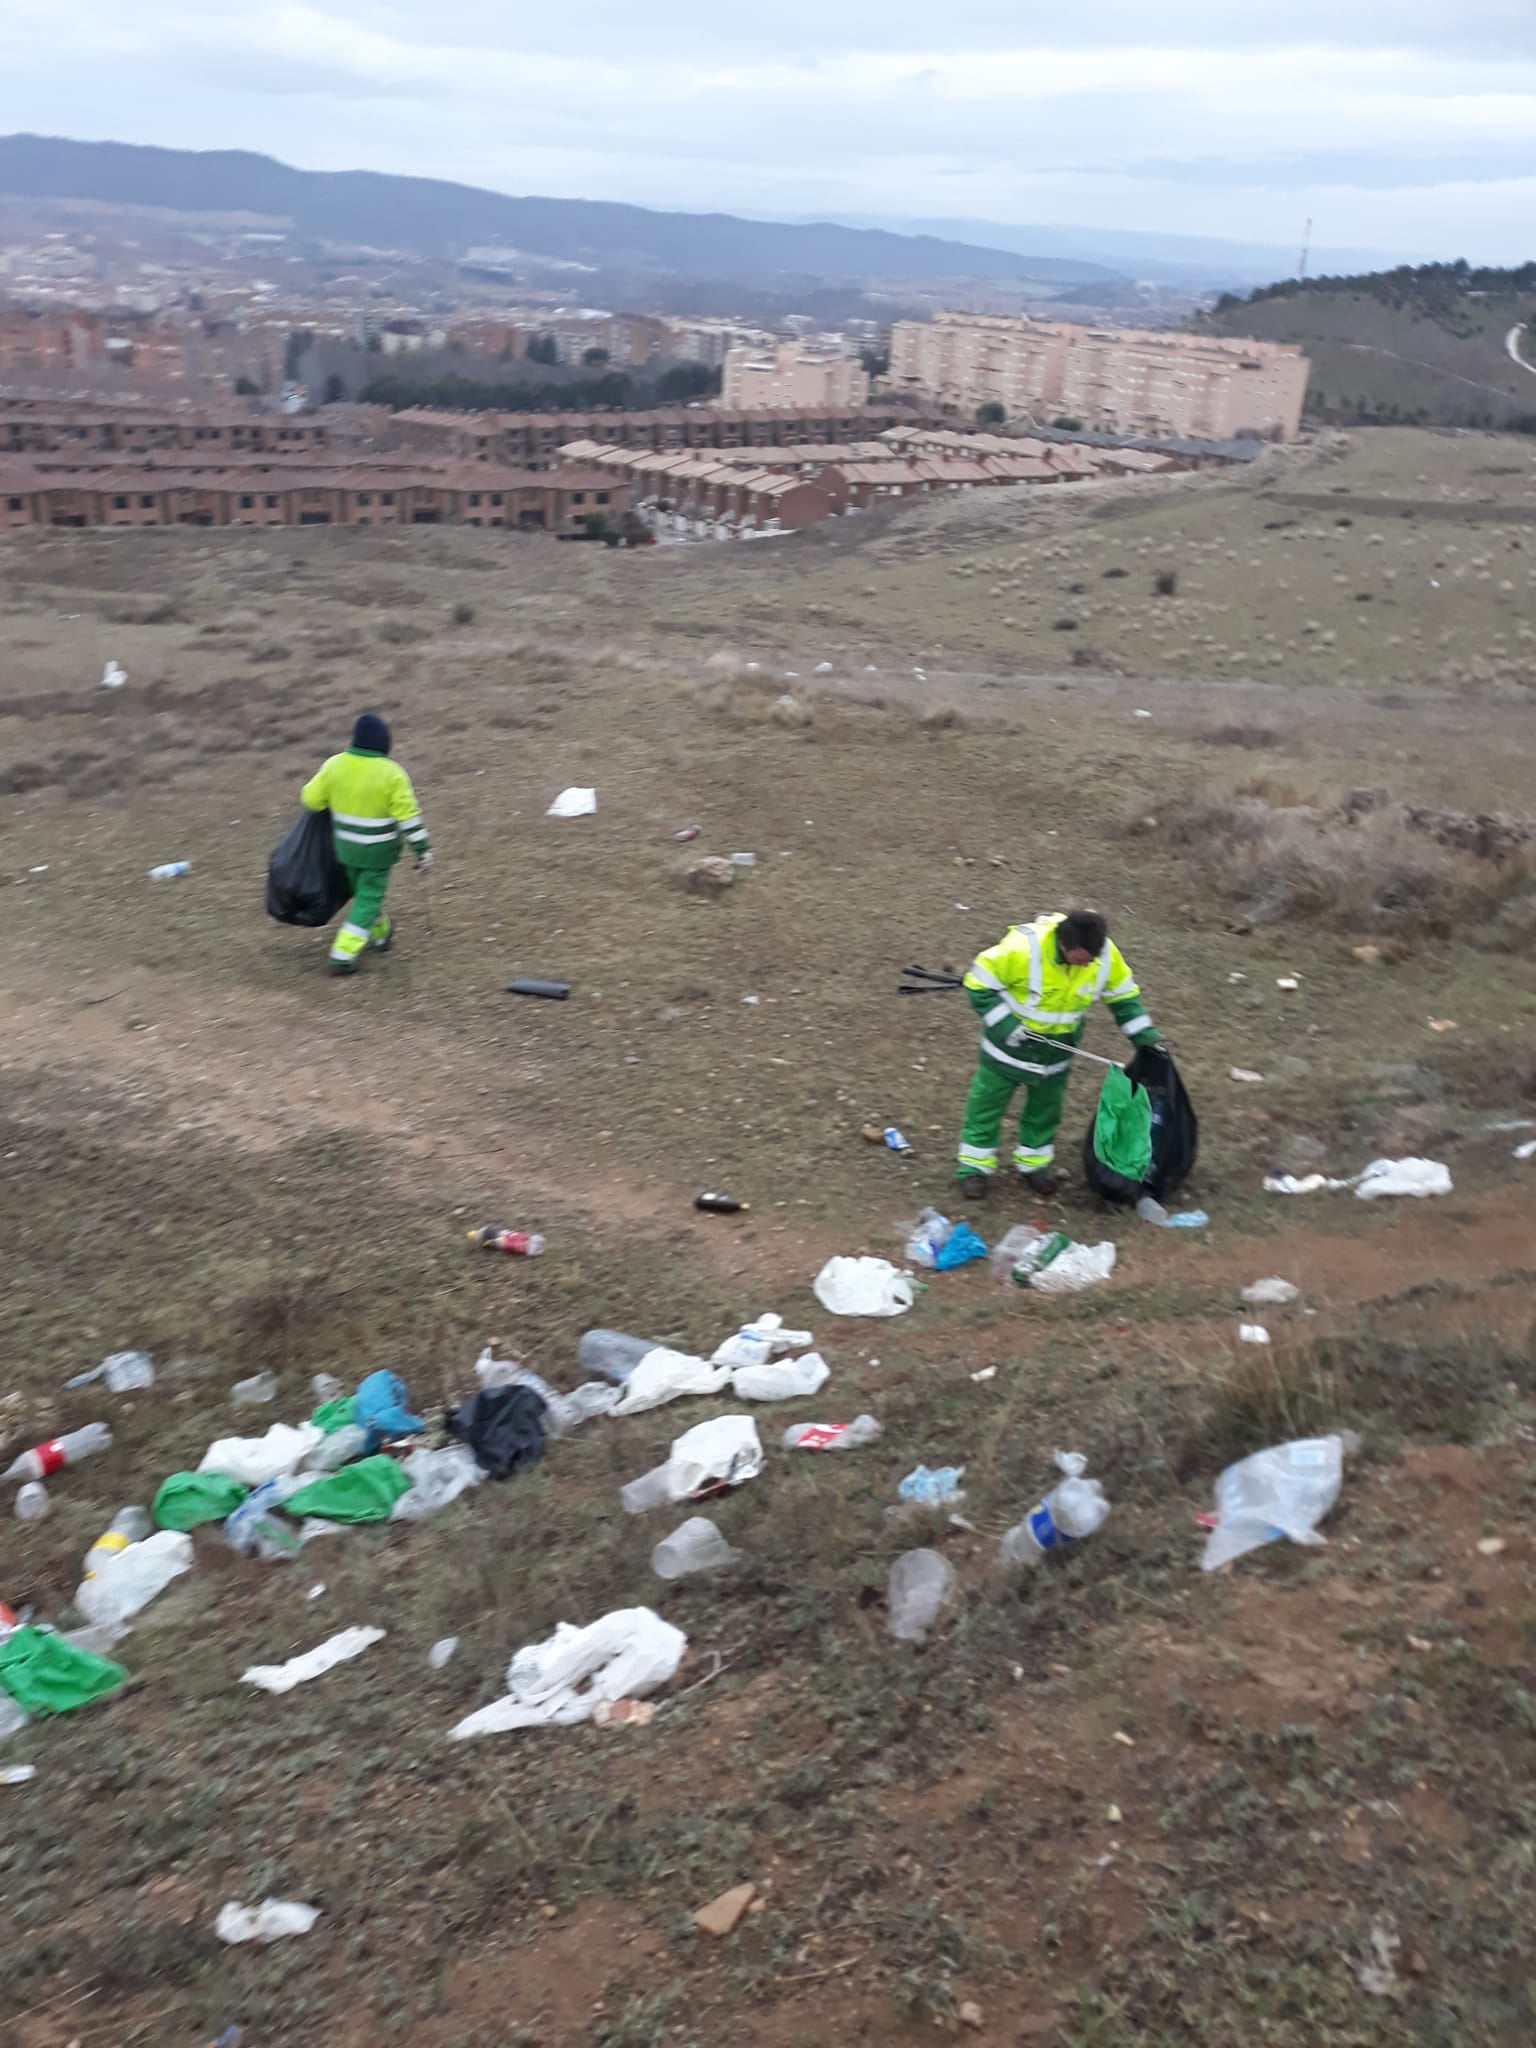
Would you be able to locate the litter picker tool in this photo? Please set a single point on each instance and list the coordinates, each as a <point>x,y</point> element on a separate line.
<point>923,981</point>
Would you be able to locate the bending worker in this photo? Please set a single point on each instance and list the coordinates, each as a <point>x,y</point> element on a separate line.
<point>1038,983</point>
<point>373,809</point>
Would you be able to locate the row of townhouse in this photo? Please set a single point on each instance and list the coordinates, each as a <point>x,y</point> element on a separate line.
<point>535,439</point>
<point>46,426</point>
<point>572,504</point>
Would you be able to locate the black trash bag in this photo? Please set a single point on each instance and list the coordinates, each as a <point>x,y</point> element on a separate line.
<point>503,1426</point>
<point>1175,1132</point>
<point>306,883</point>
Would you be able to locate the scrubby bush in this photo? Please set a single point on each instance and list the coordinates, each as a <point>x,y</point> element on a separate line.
<point>1373,868</point>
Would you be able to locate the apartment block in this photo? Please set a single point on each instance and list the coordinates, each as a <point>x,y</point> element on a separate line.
<point>758,380</point>
<point>1209,387</point>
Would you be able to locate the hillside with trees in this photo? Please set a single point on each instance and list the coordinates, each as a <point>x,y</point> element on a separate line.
<point>1424,344</point>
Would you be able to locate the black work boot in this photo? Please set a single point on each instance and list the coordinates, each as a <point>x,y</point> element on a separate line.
<point>1042,1181</point>
<point>973,1186</point>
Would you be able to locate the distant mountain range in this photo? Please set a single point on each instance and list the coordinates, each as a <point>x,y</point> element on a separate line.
<point>1198,260</point>
<point>433,217</point>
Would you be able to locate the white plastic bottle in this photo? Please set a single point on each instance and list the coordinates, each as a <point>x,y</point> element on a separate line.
<point>1072,1510</point>
<point>32,1502</point>
<point>58,1452</point>
<point>169,870</point>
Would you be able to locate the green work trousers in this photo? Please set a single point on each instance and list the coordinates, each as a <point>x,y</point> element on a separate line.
<point>366,923</point>
<point>1039,1118</point>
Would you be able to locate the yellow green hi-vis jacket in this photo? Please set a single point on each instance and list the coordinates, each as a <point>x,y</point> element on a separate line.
<point>372,805</point>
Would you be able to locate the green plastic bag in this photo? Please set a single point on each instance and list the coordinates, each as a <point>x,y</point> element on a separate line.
<point>188,1499</point>
<point>45,1675</point>
<point>333,1415</point>
<point>364,1492</point>
<point>1122,1129</point>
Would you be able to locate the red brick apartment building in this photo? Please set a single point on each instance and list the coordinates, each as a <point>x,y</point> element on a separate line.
<point>47,426</point>
<point>534,439</point>
<point>569,503</point>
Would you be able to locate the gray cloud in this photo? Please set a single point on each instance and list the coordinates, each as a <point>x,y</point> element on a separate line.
<point>1406,126</point>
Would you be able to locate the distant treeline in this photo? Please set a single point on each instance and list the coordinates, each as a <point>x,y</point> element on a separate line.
<point>1435,291</point>
<point>611,389</point>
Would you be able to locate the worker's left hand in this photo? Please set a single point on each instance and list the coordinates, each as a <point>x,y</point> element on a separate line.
<point>424,861</point>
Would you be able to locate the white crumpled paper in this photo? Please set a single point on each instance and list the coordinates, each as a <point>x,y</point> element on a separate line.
<point>863,1287</point>
<point>573,803</point>
<point>351,1642</point>
<point>626,1655</point>
<point>269,1921</point>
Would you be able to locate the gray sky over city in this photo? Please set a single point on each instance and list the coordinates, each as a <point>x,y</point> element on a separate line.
<point>1397,124</point>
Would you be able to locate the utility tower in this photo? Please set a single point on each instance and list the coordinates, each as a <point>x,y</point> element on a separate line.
<point>1306,250</point>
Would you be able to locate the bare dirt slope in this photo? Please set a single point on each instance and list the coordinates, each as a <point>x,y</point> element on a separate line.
<point>1109,1802</point>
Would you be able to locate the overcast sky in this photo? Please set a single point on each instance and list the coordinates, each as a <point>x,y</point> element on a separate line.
<point>1397,124</point>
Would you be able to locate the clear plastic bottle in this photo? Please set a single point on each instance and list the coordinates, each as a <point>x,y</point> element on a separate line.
<point>254,1530</point>
<point>129,1525</point>
<point>1069,1511</point>
<point>930,1233</point>
<point>650,1490</point>
<point>169,870</point>
<point>831,1436</point>
<point>326,1387</point>
<point>255,1392</point>
<point>32,1502</point>
<point>921,1585</point>
<point>58,1452</point>
<point>524,1244</point>
<point>611,1354</point>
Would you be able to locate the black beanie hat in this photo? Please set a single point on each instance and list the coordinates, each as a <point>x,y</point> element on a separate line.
<point>371,733</point>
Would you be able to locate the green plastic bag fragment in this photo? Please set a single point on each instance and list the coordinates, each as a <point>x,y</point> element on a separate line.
<point>188,1499</point>
<point>1122,1129</point>
<point>333,1415</point>
<point>45,1675</point>
<point>364,1492</point>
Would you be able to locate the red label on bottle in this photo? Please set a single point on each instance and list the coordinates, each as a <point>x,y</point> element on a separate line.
<point>820,1436</point>
<point>50,1456</point>
<point>512,1241</point>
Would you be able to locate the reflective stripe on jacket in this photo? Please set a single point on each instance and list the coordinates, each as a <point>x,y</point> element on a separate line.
<point>1023,990</point>
<point>372,805</point>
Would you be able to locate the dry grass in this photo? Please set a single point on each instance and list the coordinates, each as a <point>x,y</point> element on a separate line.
<point>1374,867</point>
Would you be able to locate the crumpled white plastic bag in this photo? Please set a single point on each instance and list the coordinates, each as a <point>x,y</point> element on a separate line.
<point>781,1379</point>
<point>754,1343</point>
<point>626,1655</point>
<point>351,1642</point>
<point>437,1477</point>
<point>120,1585</point>
<point>1403,1177</point>
<point>573,803</point>
<point>721,1452</point>
<point>1283,1491</point>
<point>253,1460</point>
<point>863,1287</point>
<point>662,1375</point>
<point>269,1921</point>
<point>1079,1266</point>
